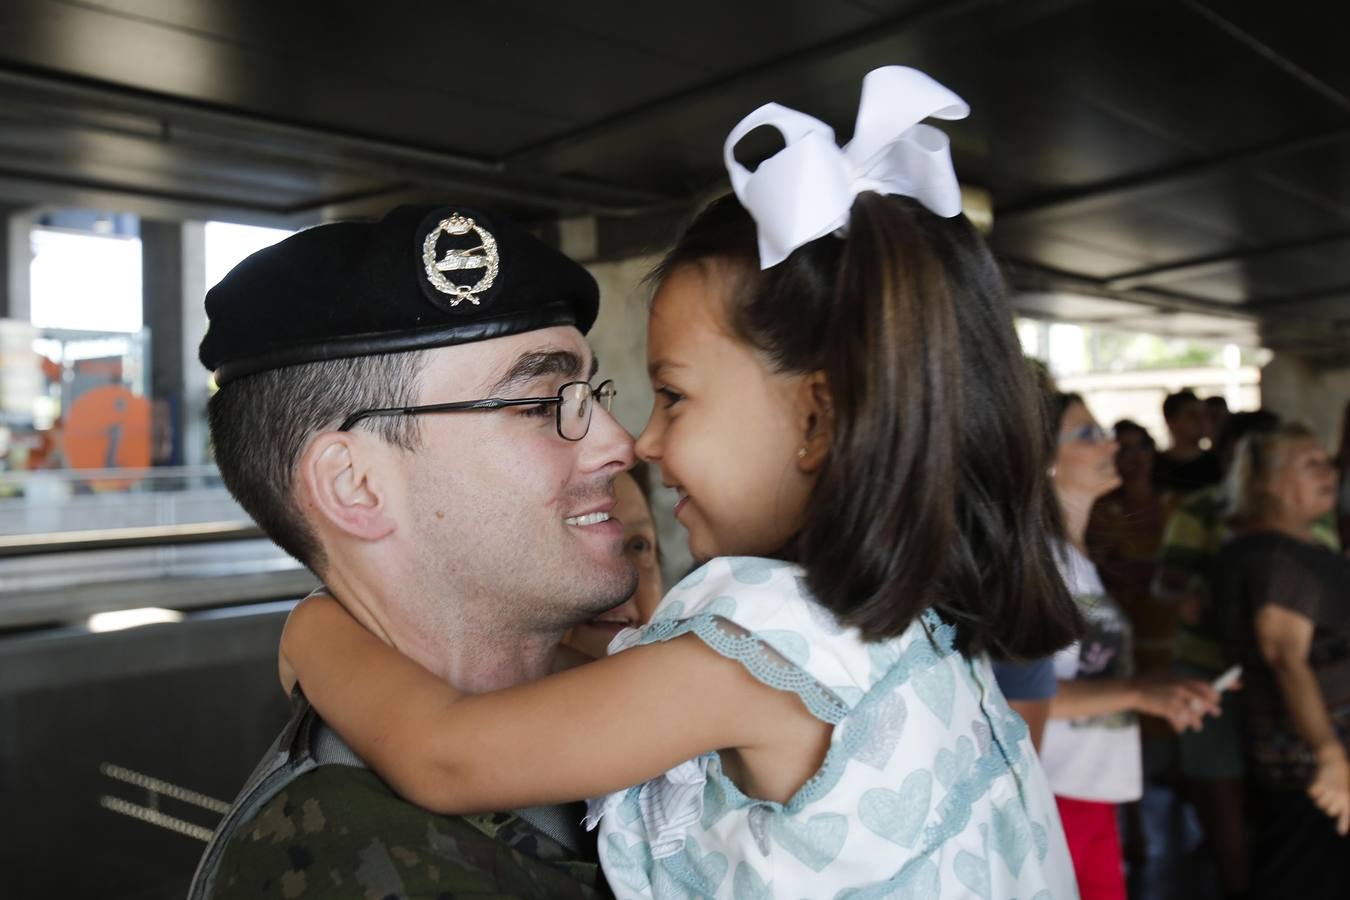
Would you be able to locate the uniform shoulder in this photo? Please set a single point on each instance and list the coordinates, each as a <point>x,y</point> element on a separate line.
<point>338,832</point>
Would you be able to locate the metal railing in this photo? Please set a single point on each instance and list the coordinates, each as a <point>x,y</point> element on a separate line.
<point>125,538</point>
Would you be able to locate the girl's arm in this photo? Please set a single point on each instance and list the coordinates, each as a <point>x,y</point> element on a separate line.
<point>580,733</point>
<point>1285,637</point>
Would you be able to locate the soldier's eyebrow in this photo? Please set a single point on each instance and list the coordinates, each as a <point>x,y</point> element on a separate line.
<point>538,364</point>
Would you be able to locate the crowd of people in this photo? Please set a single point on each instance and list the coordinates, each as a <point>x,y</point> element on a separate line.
<point>891,512</point>
<point>1223,552</point>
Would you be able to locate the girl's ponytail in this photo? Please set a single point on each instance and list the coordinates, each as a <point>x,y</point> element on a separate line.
<point>935,492</point>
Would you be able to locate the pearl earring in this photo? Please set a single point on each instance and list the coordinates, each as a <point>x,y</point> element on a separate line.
<point>801,453</point>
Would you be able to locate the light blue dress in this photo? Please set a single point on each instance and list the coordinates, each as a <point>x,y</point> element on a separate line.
<point>930,789</point>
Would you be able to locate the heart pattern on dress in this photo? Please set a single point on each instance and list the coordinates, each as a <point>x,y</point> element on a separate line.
<point>815,841</point>
<point>701,872</point>
<point>875,731</point>
<point>630,862</point>
<point>1041,838</point>
<point>898,816</point>
<point>951,767</point>
<point>1012,835</point>
<point>759,818</point>
<point>753,569</point>
<point>747,885</point>
<point>630,810</point>
<point>936,687</point>
<point>973,872</point>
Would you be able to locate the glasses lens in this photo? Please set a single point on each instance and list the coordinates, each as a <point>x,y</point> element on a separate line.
<point>574,412</point>
<point>605,394</point>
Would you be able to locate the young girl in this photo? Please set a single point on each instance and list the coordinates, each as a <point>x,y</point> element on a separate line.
<point>860,457</point>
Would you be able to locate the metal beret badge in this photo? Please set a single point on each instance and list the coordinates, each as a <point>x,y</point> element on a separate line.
<point>461,262</point>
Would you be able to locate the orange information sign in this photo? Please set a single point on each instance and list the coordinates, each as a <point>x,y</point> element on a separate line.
<point>108,427</point>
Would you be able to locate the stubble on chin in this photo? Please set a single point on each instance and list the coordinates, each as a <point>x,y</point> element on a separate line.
<point>607,591</point>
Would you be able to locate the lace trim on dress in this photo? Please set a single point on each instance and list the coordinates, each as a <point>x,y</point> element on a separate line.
<point>759,658</point>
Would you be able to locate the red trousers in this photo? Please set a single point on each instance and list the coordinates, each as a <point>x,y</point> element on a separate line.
<point>1094,844</point>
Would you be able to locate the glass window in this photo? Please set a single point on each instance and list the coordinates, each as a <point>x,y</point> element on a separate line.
<point>86,282</point>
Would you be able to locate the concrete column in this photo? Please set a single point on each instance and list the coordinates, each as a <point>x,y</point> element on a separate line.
<point>16,259</point>
<point>1314,395</point>
<point>173,283</point>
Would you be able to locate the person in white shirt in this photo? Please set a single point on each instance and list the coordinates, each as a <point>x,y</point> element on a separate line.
<point>1091,746</point>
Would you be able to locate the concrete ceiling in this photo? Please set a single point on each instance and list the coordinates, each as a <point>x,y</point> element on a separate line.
<point>1170,165</point>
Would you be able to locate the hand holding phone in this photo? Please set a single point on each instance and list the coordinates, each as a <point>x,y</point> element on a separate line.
<point>1226,681</point>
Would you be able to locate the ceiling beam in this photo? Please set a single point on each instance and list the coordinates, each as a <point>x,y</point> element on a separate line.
<point>170,120</point>
<point>1268,304</point>
<point>745,80</point>
<point>1217,262</point>
<point>1025,274</point>
<point>1318,86</point>
<point>1168,178</point>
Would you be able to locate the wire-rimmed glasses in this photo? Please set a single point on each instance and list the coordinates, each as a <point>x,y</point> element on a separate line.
<point>575,402</point>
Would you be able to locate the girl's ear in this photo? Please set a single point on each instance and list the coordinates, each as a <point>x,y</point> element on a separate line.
<point>815,414</point>
<point>344,488</point>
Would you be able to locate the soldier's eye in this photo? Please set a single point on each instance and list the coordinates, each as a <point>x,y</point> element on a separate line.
<point>538,411</point>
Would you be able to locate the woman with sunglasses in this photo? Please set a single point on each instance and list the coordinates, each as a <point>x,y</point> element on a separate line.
<point>1091,746</point>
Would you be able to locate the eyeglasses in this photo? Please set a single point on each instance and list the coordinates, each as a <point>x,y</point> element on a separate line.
<point>575,402</point>
<point>1087,434</point>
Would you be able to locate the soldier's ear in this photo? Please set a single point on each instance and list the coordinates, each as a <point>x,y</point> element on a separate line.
<point>341,485</point>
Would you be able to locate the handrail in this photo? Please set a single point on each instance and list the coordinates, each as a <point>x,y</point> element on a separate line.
<point>154,473</point>
<point>125,538</point>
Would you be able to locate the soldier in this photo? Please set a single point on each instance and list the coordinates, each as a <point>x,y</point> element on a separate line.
<point>475,540</point>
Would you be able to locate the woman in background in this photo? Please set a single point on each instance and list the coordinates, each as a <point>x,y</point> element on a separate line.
<point>1091,747</point>
<point>1123,536</point>
<point>1286,601</point>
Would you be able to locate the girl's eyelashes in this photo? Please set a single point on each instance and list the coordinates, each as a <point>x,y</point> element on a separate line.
<point>669,396</point>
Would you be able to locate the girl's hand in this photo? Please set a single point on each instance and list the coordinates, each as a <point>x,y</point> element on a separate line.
<point>1330,788</point>
<point>1183,702</point>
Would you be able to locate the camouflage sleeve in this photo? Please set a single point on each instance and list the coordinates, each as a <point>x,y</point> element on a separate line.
<point>341,833</point>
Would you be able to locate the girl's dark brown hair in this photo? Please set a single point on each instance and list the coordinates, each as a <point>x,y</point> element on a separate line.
<point>934,492</point>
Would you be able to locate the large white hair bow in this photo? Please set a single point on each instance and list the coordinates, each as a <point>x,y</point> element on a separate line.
<point>805,190</point>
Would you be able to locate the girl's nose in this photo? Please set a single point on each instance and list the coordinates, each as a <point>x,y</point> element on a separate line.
<point>648,445</point>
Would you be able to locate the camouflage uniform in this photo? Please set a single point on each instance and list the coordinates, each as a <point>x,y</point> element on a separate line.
<point>337,831</point>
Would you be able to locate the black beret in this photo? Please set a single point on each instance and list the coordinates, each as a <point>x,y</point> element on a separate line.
<point>421,277</point>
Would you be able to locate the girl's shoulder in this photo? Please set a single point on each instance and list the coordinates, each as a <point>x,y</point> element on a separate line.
<point>762,613</point>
